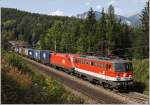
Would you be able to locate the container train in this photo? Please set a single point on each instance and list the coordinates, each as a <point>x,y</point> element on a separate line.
<point>107,71</point>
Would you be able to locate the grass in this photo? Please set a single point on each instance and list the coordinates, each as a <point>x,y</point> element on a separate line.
<point>21,85</point>
<point>141,71</point>
<point>70,98</point>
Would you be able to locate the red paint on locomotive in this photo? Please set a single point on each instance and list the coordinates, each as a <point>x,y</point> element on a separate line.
<point>103,69</point>
<point>62,60</point>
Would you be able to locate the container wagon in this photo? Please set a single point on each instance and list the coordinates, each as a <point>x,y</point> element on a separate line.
<point>37,55</point>
<point>31,53</point>
<point>44,56</point>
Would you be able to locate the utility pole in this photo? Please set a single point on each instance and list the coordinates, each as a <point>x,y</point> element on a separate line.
<point>55,47</point>
<point>108,48</point>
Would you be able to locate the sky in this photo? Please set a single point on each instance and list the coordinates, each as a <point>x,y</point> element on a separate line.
<point>74,7</point>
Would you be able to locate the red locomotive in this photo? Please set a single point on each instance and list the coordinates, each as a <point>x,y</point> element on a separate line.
<point>62,60</point>
<point>112,73</point>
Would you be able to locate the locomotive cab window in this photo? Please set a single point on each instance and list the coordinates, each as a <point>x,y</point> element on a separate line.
<point>107,66</point>
<point>123,67</point>
<point>75,60</point>
<point>87,62</point>
<point>128,66</point>
<point>92,63</point>
<point>119,67</point>
<point>69,60</point>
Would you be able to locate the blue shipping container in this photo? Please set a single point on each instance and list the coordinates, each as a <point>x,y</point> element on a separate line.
<point>31,53</point>
<point>45,56</point>
<point>37,54</point>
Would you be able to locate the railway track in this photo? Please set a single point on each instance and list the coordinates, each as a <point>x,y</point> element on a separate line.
<point>139,98</point>
<point>95,92</point>
<point>132,97</point>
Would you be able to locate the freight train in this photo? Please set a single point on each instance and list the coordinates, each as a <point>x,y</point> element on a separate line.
<point>114,73</point>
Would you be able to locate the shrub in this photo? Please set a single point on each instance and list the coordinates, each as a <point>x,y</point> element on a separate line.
<point>141,71</point>
<point>21,85</point>
<point>15,60</point>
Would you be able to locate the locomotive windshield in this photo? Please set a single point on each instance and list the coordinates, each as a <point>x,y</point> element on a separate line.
<point>123,67</point>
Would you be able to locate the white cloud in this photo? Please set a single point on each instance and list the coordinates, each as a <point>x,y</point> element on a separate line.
<point>98,6</point>
<point>57,12</point>
<point>111,2</point>
<point>118,11</point>
<point>142,1</point>
<point>87,3</point>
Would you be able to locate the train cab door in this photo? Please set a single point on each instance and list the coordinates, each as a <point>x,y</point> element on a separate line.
<point>108,71</point>
<point>107,75</point>
<point>72,62</point>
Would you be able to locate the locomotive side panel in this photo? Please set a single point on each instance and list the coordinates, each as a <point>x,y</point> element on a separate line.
<point>94,68</point>
<point>61,60</point>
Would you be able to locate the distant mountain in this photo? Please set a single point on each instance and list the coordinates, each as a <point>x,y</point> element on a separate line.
<point>135,19</point>
<point>132,20</point>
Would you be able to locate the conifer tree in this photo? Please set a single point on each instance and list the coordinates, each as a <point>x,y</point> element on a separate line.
<point>145,30</point>
<point>90,20</point>
<point>140,40</point>
<point>111,24</point>
<point>89,29</point>
<point>101,33</point>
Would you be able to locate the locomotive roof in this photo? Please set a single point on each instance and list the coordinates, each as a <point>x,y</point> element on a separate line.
<point>107,59</point>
